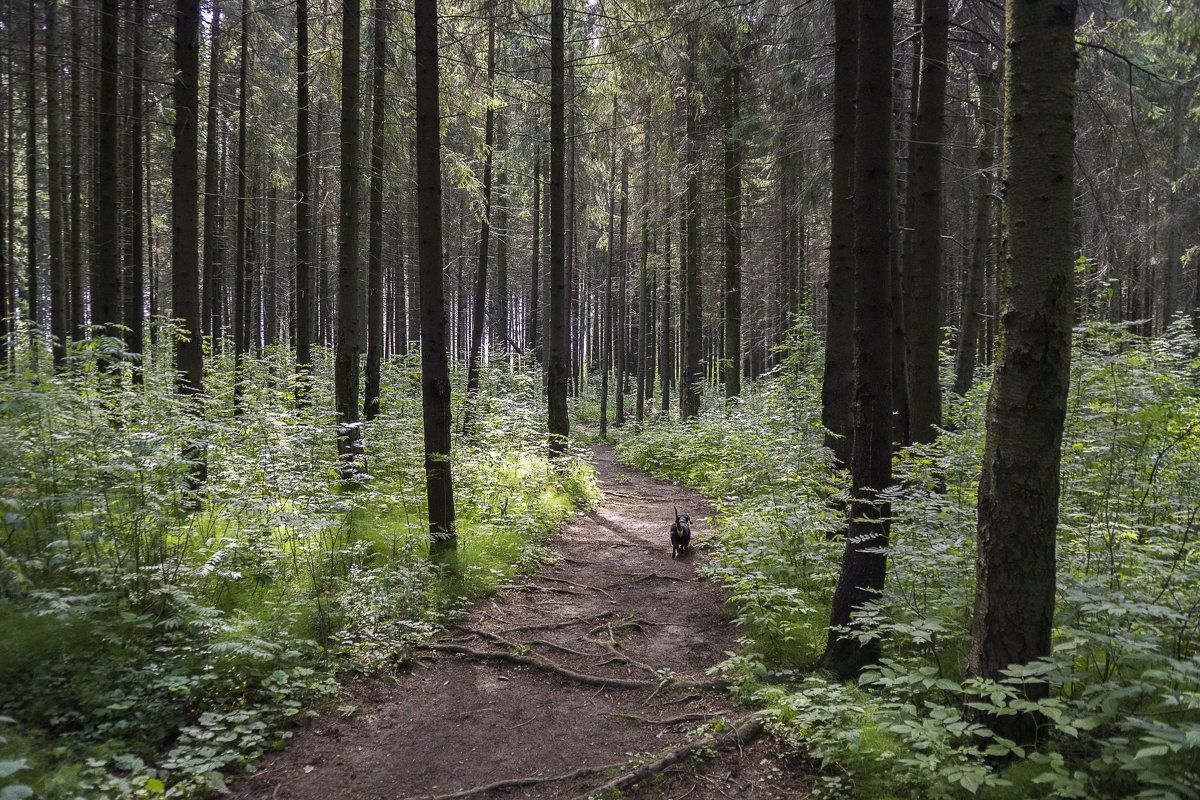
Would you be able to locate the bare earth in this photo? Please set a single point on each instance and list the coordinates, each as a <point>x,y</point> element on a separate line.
<point>616,605</point>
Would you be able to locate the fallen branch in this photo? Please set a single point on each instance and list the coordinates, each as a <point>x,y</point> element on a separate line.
<point>513,783</point>
<point>577,620</point>
<point>577,585</point>
<point>739,733</point>
<point>531,587</point>
<point>543,663</point>
<point>696,717</point>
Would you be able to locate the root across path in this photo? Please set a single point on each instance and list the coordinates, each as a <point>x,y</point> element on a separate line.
<point>585,679</point>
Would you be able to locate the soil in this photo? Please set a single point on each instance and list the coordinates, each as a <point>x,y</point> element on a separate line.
<point>615,604</point>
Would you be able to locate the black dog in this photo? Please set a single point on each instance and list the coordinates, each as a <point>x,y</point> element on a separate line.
<point>681,534</point>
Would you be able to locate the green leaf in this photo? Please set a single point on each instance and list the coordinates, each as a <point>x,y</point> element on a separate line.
<point>155,785</point>
<point>18,791</point>
<point>9,767</point>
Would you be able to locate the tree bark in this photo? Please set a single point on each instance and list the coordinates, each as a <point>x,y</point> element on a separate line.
<point>435,366</point>
<point>371,385</point>
<point>972,298</point>
<point>557,367</point>
<point>135,273</point>
<point>479,311</point>
<point>922,275</point>
<point>213,240</point>
<point>59,311</point>
<point>304,194</point>
<point>863,564</point>
<point>733,231</point>
<point>106,275</point>
<point>1019,487</point>
<point>77,317</point>
<point>532,334</point>
<point>243,259</point>
<point>347,345</point>
<point>621,328</point>
<point>837,387</point>
<point>692,379</point>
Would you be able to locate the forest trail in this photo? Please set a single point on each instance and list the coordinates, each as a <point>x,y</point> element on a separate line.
<point>615,605</point>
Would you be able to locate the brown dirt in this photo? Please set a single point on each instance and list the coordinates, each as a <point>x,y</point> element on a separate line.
<point>624,607</point>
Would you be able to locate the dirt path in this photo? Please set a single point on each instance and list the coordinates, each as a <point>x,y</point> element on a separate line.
<point>614,605</point>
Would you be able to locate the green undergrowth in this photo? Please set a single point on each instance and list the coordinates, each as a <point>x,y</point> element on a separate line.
<point>1122,719</point>
<point>154,642</point>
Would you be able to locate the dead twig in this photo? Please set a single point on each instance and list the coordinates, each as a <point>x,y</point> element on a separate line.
<point>513,783</point>
<point>738,733</point>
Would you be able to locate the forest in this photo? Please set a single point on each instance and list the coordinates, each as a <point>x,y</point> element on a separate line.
<point>318,315</point>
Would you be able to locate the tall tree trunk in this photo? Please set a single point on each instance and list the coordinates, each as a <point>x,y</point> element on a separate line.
<point>1019,487</point>
<point>77,317</point>
<point>59,312</point>
<point>213,240</point>
<point>435,366</point>
<point>304,195</point>
<point>733,231</point>
<point>106,275</point>
<point>500,291</point>
<point>606,322</point>
<point>244,269</point>
<point>621,326</point>
<point>666,361</point>
<point>645,340</point>
<point>864,564</point>
<point>347,344</point>
<point>837,387</point>
<point>1172,268</point>
<point>691,383</point>
<point>270,281</point>
<point>923,274</point>
<point>185,217</point>
<point>557,368</point>
<point>532,336</point>
<point>479,311</point>
<point>371,385</point>
<point>972,299</point>
<point>135,275</point>
<point>32,295</point>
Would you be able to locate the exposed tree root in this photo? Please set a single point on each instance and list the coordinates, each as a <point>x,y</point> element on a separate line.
<point>738,733</point>
<point>514,783</point>
<point>566,623</point>
<point>696,717</point>
<point>543,663</point>
<point>576,585</point>
<point>531,587</point>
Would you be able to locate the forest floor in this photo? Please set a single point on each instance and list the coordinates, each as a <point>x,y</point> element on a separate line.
<point>613,605</point>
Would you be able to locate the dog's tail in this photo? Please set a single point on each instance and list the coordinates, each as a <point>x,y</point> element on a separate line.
<point>676,512</point>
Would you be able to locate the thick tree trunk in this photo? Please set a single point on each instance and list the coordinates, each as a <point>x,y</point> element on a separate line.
<point>922,275</point>
<point>691,383</point>
<point>666,361</point>
<point>557,367</point>
<point>733,232</point>
<point>606,334</point>
<point>972,298</point>
<point>1019,487</point>
<point>348,341</point>
<point>106,275</point>
<point>863,563</point>
<point>32,295</point>
<point>837,387</point>
<point>435,366</point>
<point>621,328</point>
<point>479,310</point>
<point>645,372</point>
<point>371,385</point>
<point>304,195</point>
<point>185,217</point>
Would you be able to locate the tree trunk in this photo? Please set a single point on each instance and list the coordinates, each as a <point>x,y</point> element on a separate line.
<point>106,275</point>
<point>606,345</point>
<point>666,361</point>
<point>213,240</point>
<point>621,328</point>
<point>77,317</point>
<point>1019,487</point>
<point>135,274</point>
<point>500,291</point>
<point>244,269</point>
<point>557,367</point>
<point>532,335</point>
<point>371,385</point>
<point>645,373</point>
<point>435,366</point>
<point>972,299</point>
<point>863,563</point>
<point>733,232</point>
<point>304,194</point>
<point>923,274</point>
<point>479,311</point>
<point>691,381</point>
<point>837,387</point>
<point>185,217</point>
<point>347,346</point>
<point>32,298</point>
<point>59,312</point>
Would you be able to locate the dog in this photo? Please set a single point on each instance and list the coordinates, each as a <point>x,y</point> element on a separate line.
<point>681,534</point>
